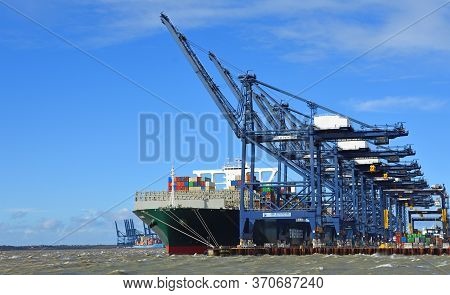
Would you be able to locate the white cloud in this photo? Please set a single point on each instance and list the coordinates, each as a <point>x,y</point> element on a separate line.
<point>19,213</point>
<point>50,224</point>
<point>49,229</point>
<point>354,31</point>
<point>321,25</point>
<point>123,213</point>
<point>100,218</point>
<point>395,103</point>
<point>125,21</point>
<point>29,232</point>
<point>328,26</point>
<point>91,221</point>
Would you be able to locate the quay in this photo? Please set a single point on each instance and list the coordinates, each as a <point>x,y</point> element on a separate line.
<point>301,251</point>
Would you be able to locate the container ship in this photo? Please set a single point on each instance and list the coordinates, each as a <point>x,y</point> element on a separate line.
<point>200,211</point>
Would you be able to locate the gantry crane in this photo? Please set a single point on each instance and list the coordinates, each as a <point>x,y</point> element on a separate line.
<point>341,191</point>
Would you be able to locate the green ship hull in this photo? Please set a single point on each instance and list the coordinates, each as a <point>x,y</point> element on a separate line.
<point>192,230</point>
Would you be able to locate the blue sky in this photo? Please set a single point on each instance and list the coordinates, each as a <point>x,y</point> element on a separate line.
<point>70,127</point>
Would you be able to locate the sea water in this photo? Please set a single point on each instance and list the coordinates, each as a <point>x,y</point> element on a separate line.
<point>157,262</point>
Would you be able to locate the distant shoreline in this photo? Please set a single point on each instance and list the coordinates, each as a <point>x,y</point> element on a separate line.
<point>57,247</point>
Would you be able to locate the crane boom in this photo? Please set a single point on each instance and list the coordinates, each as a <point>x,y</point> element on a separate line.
<point>227,77</point>
<point>311,103</point>
<point>222,103</point>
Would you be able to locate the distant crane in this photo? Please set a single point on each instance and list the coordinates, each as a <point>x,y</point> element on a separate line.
<point>131,234</point>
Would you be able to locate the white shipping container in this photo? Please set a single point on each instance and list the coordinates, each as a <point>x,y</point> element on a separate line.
<point>367,161</point>
<point>331,122</point>
<point>353,145</point>
<point>380,179</point>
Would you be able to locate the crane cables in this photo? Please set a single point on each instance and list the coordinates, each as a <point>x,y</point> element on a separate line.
<point>205,51</point>
<point>184,233</point>
<point>184,224</point>
<point>202,221</point>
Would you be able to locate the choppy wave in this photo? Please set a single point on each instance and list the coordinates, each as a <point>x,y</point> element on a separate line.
<point>156,261</point>
<point>383,265</point>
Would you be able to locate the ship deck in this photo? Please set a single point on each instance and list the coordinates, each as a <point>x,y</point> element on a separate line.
<point>160,199</point>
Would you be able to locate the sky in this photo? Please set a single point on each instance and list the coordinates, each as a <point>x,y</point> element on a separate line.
<point>78,77</point>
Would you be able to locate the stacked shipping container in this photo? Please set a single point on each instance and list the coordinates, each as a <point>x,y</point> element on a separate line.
<point>237,182</point>
<point>268,194</point>
<point>181,184</point>
<point>191,184</point>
